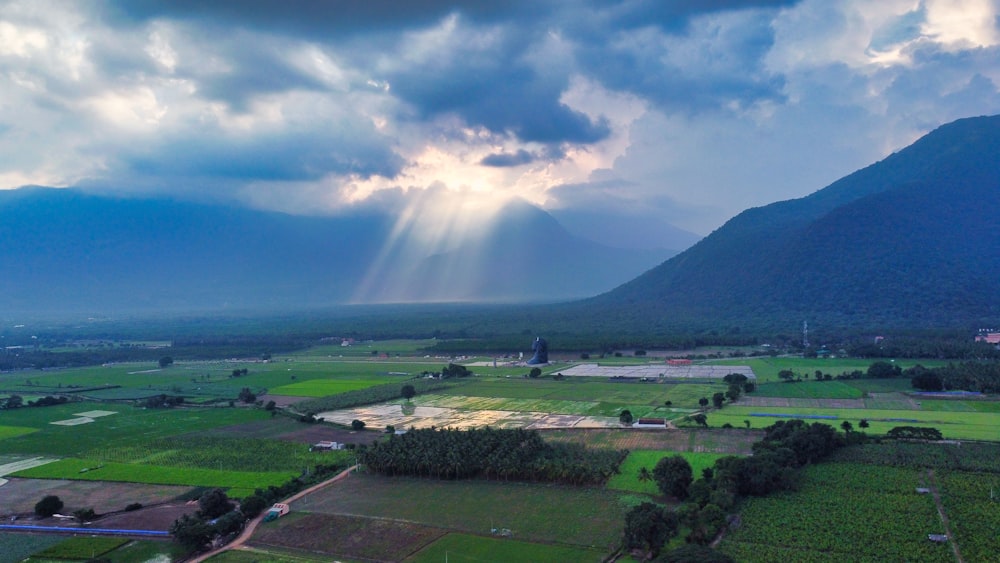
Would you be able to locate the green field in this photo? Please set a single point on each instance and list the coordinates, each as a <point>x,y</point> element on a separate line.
<point>17,546</point>
<point>476,549</point>
<point>129,426</point>
<point>842,512</point>
<point>94,470</point>
<point>628,477</point>
<point>80,548</point>
<point>13,431</point>
<point>810,390</point>
<point>581,516</point>
<point>324,387</point>
<point>953,425</point>
<point>766,368</point>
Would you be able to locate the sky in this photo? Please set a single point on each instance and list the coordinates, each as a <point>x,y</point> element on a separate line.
<point>623,118</point>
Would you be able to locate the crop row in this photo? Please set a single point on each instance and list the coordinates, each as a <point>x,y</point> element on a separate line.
<point>972,502</point>
<point>964,457</point>
<point>848,510</point>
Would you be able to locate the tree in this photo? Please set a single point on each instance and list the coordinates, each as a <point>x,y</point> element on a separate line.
<point>14,402</point>
<point>84,514</point>
<point>408,392</point>
<point>535,372</point>
<point>673,476</point>
<point>864,423</point>
<point>787,375</point>
<point>847,426</point>
<point>734,392</point>
<point>718,399</point>
<point>48,506</point>
<point>703,402</point>
<point>648,527</point>
<point>668,403</point>
<point>214,503</point>
<point>625,417</point>
<point>645,474</point>
<point>192,532</point>
<point>253,505</point>
<point>746,421</point>
<point>701,419</point>
<point>357,424</point>
<point>883,369</point>
<point>270,406</point>
<point>166,361</point>
<point>246,395</point>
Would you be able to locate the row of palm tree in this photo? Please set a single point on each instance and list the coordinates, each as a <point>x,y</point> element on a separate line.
<point>505,454</point>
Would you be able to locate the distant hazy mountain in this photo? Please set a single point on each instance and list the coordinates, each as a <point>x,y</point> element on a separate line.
<point>65,251</point>
<point>913,240</point>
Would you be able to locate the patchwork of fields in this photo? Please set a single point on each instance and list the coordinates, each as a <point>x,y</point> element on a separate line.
<point>106,454</point>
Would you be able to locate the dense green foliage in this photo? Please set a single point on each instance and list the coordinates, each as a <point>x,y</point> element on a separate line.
<point>648,527</point>
<point>673,476</point>
<point>514,454</point>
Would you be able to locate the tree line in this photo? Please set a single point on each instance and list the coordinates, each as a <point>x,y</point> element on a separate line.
<point>508,454</point>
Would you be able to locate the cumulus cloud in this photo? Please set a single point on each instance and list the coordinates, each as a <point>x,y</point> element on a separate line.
<point>686,112</point>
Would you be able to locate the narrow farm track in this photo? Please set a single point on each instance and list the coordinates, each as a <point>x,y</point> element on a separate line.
<point>251,526</point>
<point>932,482</point>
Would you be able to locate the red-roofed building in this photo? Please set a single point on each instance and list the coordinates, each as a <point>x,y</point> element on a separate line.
<point>988,337</point>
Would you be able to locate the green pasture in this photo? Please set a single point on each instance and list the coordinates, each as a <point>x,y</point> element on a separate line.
<point>766,368</point>
<point>14,431</point>
<point>145,551</point>
<point>95,470</point>
<point>590,389</point>
<point>202,379</point>
<point>326,387</point>
<point>842,512</point>
<point>80,548</point>
<point>581,516</point>
<point>129,426</point>
<point>218,452</point>
<point>479,549</point>
<point>809,390</point>
<point>953,425</point>
<point>628,477</point>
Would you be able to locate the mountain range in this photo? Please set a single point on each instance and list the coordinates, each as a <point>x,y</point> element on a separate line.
<point>910,241</point>
<point>66,251</point>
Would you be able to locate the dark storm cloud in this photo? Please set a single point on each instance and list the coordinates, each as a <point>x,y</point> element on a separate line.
<point>319,19</point>
<point>293,156</point>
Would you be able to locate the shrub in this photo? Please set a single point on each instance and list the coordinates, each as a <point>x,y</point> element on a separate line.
<point>48,506</point>
<point>133,506</point>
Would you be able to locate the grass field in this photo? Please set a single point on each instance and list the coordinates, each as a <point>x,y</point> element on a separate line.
<point>324,387</point>
<point>80,548</point>
<point>462,548</point>
<point>766,368</point>
<point>94,470</point>
<point>628,477</point>
<point>589,517</point>
<point>129,426</point>
<point>810,389</point>
<point>953,425</point>
<point>14,431</point>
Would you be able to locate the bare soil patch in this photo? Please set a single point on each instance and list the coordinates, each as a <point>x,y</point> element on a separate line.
<point>686,440</point>
<point>351,537</point>
<point>150,518</point>
<point>20,495</point>
<point>284,400</point>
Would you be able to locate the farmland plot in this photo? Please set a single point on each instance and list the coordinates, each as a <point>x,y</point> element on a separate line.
<point>843,512</point>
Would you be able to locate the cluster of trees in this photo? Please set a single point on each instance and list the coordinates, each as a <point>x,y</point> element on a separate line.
<point>239,372</point>
<point>983,377</point>
<point>509,454</point>
<point>786,446</point>
<point>218,516</point>
<point>247,396</point>
<point>914,433</point>
<point>161,401</point>
<point>52,504</point>
<point>17,401</point>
